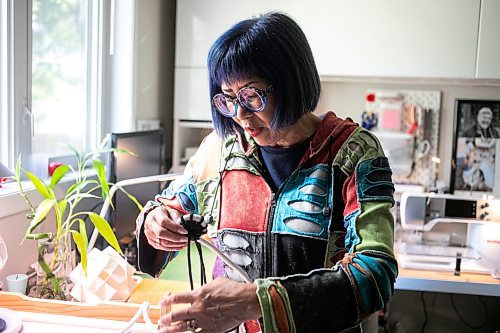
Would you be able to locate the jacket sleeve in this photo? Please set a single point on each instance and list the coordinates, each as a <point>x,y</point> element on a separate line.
<point>338,298</point>
<point>193,192</point>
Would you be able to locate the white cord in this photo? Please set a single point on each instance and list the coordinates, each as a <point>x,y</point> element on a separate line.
<point>143,310</point>
<point>228,261</point>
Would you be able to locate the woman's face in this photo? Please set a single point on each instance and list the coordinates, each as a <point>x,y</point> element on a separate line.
<point>257,124</point>
<point>484,118</point>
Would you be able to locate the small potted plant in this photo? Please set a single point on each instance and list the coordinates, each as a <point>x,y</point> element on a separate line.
<point>54,248</point>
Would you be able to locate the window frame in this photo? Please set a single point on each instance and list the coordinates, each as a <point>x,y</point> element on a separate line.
<point>16,119</point>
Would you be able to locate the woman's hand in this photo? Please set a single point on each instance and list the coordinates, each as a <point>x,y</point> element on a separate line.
<point>216,307</point>
<point>161,230</point>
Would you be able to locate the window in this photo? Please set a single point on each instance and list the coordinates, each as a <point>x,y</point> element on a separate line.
<point>56,62</point>
<point>59,78</point>
<point>50,76</point>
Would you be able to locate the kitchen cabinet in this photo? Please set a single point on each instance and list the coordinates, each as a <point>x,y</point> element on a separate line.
<point>488,49</point>
<point>200,22</point>
<point>390,38</point>
<point>191,95</point>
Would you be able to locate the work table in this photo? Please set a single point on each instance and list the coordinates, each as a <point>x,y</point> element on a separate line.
<point>447,282</point>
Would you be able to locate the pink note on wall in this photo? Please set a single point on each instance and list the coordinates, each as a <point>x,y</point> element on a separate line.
<point>390,119</point>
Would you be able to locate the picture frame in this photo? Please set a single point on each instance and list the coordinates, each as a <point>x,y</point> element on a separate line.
<point>476,143</point>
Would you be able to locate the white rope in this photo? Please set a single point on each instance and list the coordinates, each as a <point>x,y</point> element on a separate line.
<point>143,310</point>
<point>228,261</point>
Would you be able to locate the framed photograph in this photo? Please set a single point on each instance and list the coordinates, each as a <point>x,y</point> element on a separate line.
<point>475,144</point>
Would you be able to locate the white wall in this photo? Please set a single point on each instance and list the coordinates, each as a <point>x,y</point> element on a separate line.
<point>154,64</point>
<point>348,100</point>
<point>12,229</point>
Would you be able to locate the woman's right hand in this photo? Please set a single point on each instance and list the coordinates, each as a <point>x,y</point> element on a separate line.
<point>162,231</point>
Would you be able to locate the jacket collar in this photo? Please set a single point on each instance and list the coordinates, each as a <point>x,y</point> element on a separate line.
<point>330,128</point>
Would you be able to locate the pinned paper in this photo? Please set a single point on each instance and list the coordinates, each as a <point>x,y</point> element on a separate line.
<point>109,277</point>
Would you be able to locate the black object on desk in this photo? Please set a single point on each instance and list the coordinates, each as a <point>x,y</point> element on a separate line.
<point>458,263</point>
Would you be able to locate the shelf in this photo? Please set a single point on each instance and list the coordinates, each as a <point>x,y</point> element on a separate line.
<point>195,123</point>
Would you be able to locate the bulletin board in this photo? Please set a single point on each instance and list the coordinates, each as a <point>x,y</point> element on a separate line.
<point>426,111</point>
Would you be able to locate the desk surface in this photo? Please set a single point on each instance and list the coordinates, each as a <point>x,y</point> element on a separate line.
<point>446,282</point>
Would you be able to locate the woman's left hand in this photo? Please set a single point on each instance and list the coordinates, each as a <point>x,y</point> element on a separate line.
<point>218,306</point>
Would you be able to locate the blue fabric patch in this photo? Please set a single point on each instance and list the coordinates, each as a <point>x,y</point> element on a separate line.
<point>374,180</point>
<point>379,272</point>
<point>351,238</point>
<point>305,203</point>
<point>365,289</point>
<point>187,196</point>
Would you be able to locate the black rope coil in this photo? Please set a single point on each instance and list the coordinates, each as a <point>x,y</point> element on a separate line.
<point>196,226</point>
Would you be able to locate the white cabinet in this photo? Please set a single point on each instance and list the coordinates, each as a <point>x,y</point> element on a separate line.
<point>187,136</point>
<point>200,22</point>
<point>191,95</point>
<point>392,38</point>
<point>488,52</point>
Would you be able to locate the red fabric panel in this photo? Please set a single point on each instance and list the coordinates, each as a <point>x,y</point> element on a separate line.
<point>330,136</point>
<point>245,200</point>
<point>350,196</point>
<point>172,203</point>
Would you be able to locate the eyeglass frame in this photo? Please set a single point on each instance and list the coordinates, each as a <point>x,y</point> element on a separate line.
<point>236,100</point>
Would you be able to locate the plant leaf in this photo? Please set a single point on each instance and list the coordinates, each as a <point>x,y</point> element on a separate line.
<point>42,210</point>
<point>81,196</point>
<point>82,248</point>
<point>58,174</point>
<point>79,186</point>
<point>18,169</point>
<point>131,197</point>
<point>101,175</point>
<point>39,185</point>
<point>105,230</point>
<point>62,207</point>
<point>115,150</point>
<point>83,232</point>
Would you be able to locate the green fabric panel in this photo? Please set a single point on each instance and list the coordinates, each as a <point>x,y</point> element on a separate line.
<point>266,305</point>
<point>205,192</point>
<point>360,146</point>
<point>284,295</point>
<point>375,227</point>
<point>177,268</point>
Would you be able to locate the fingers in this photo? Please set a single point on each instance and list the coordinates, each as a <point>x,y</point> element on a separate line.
<point>162,233</point>
<point>186,297</point>
<point>181,326</point>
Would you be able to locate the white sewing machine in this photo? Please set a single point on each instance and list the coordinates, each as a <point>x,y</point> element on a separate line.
<point>436,230</point>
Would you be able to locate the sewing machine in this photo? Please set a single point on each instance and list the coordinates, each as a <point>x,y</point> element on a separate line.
<point>442,232</point>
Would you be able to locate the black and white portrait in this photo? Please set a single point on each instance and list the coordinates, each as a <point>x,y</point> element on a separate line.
<point>476,137</point>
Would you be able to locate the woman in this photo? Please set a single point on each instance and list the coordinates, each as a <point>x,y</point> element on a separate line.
<point>301,203</point>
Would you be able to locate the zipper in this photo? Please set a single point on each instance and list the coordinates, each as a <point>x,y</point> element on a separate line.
<point>269,246</point>
<point>268,239</point>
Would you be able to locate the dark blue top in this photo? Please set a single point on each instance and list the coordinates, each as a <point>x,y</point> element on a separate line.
<point>282,162</point>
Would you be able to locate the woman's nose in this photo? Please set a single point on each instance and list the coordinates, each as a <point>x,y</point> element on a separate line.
<point>242,112</point>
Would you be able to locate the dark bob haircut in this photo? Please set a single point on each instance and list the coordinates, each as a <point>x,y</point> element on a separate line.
<point>274,48</point>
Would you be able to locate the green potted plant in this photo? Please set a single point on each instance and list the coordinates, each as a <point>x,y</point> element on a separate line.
<point>54,248</point>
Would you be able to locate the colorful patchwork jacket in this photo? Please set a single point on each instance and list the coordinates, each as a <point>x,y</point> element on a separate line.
<point>320,248</point>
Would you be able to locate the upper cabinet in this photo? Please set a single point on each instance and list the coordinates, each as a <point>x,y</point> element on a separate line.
<point>488,52</point>
<point>455,39</point>
<point>391,38</point>
<point>200,22</point>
